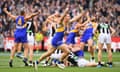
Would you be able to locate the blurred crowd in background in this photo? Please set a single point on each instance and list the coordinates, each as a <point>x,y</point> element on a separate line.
<point>110,9</point>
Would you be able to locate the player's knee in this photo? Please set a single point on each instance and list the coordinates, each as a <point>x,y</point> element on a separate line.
<point>109,50</point>
<point>99,50</point>
<point>49,52</point>
<point>67,52</point>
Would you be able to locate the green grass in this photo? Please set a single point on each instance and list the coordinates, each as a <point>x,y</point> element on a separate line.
<point>19,65</point>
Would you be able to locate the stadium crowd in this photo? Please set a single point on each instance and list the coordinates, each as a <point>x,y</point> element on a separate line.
<point>98,8</point>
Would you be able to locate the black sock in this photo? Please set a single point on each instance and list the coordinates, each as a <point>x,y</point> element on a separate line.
<point>46,62</point>
<point>61,62</point>
<point>25,59</point>
<point>30,61</point>
<point>99,63</point>
<point>93,58</point>
<point>37,62</point>
<point>110,63</point>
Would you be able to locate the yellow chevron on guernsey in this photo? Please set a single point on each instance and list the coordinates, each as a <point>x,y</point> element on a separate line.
<point>74,30</point>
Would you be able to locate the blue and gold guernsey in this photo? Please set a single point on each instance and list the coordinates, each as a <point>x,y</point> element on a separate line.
<point>57,39</point>
<point>88,33</point>
<point>20,34</point>
<point>71,36</point>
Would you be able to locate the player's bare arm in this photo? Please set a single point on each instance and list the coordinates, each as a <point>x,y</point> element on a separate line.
<point>112,30</point>
<point>64,14</point>
<point>32,15</point>
<point>9,14</point>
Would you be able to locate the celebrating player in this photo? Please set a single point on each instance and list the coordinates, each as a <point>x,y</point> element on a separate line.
<point>20,34</point>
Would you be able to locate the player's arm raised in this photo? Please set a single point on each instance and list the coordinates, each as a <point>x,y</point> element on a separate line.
<point>47,21</point>
<point>64,14</point>
<point>81,25</point>
<point>32,15</point>
<point>78,17</point>
<point>9,14</point>
<point>75,18</point>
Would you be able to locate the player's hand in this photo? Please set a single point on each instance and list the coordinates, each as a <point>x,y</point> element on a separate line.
<point>87,13</point>
<point>5,9</point>
<point>81,8</point>
<point>39,11</point>
<point>67,9</point>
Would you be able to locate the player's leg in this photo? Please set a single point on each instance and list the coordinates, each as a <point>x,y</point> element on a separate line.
<point>49,57</point>
<point>47,61</point>
<point>24,41</point>
<point>65,50</point>
<point>91,49</point>
<point>91,64</point>
<point>25,53</point>
<point>13,53</point>
<point>101,39</point>
<point>30,54</point>
<point>108,43</point>
<point>19,53</point>
<point>43,56</point>
<point>82,44</point>
<point>46,54</point>
<point>109,55</point>
<point>31,46</point>
<point>78,47</point>
<point>65,53</point>
<point>100,46</point>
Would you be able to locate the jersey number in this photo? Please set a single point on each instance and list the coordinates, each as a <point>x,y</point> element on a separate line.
<point>20,21</point>
<point>29,25</point>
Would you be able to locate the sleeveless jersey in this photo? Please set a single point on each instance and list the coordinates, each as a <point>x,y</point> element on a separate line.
<point>21,30</point>
<point>30,26</point>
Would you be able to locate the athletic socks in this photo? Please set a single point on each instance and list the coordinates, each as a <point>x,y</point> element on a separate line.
<point>92,58</point>
<point>109,64</point>
<point>46,62</point>
<point>25,61</point>
<point>30,62</point>
<point>99,65</point>
<point>10,63</point>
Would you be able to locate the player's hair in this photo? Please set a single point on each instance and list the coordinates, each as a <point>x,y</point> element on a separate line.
<point>22,12</point>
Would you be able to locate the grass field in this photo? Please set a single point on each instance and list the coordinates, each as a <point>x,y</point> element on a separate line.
<point>18,65</point>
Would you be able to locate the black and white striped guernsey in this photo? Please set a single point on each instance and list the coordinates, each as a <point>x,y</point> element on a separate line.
<point>57,51</point>
<point>103,28</point>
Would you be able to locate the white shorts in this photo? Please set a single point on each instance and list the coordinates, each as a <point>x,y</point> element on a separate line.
<point>55,56</point>
<point>82,62</point>
<point>49,40</point>
<point>104,38</point>
<point>30,38</point>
